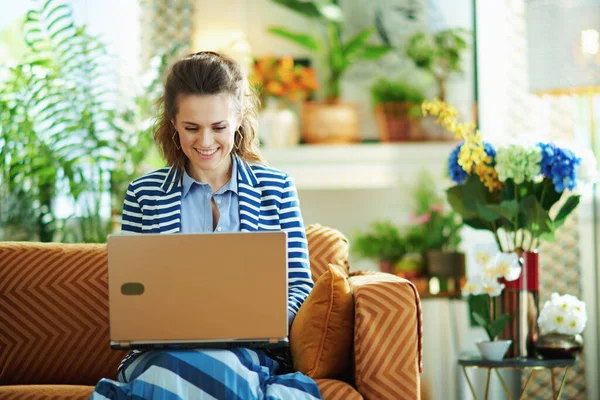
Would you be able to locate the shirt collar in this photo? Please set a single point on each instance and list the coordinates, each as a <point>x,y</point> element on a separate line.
<point>231,185</point>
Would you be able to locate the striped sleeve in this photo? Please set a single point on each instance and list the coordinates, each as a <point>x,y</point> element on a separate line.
<point>299,275</point>
<point>131,220</point>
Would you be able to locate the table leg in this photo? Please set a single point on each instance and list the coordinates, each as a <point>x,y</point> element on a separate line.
<point>553,384</point>
<point>469,383</point>
<point>527,384</point>
<point>487,383</point>
<point>562,383</point>
<point>506,390</point>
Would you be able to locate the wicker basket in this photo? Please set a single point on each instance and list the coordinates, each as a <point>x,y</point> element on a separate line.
<point>331,123</point>
<point>396,124</point>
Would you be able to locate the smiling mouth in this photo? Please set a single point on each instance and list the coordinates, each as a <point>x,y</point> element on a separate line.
<point>206,153</point>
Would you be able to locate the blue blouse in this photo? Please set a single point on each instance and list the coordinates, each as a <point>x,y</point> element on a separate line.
<point>196,208</point>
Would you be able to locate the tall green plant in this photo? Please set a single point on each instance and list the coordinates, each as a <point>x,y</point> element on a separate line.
<point>55,126</point>
<point>335,51</point>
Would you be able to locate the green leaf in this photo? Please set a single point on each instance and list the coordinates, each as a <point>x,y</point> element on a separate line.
<point>373,52</point>
<point>479,304</point>
<point>547,194</point>
<point>356,44</point>
<point>534,216</point>
<point>566,209</point>
<point>498,325</point>
<point>329,12</point>
<point>481,321</point>
<point>304,40</point>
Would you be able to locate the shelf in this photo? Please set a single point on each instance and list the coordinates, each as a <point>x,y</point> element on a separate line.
<point>358,166</point>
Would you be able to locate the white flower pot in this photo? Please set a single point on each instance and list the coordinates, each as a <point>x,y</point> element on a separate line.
<point>494,351</point>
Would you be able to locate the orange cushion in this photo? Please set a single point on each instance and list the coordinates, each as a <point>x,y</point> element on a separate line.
<point>326,246</point>
<point>332,389</point>
<point>322,333</point>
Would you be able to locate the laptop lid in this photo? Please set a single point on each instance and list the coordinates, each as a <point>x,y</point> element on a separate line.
<point>190,288</point>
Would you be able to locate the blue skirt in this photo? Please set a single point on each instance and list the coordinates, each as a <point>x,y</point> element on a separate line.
<point>238,374</point>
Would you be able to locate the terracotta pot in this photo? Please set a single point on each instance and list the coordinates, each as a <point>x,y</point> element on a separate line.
<point>395,124</point>
<point>330,123</point>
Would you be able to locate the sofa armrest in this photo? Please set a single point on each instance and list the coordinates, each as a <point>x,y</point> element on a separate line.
<point>387,336</point>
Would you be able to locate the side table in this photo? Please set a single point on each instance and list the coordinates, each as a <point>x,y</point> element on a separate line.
<point>533,364</point>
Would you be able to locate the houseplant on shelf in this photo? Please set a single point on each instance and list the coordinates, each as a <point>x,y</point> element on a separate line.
<point>439,54</point>
<point>561,322</point>
<point>384,243</point>
<point>330,121</point>
<point>521,193</point>
<point>439,229</point>
<point>281,84</point>
<point>482,289</point>
<point>397,109</point>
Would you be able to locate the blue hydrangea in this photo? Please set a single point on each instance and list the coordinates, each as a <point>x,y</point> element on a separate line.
<point>559,165</point>
<point>455,171</point>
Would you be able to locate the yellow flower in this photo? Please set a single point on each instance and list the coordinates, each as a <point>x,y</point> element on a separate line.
<point>472,156</point>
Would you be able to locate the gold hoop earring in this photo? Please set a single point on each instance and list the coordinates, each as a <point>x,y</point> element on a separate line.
<point>236,144</point>
<point>177,146</point>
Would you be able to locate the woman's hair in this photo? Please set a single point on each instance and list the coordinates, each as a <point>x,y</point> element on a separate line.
<point>207,73</point>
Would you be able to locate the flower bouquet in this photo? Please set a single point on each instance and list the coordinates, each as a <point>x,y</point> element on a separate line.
<point>482,289</point>
<point>561,322</point>
<point>282,78</point>
<point>512,189</point>
<point>521,193</point>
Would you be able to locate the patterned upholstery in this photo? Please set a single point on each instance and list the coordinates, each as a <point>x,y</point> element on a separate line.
<point>54,330</point>
<point>332,389</point>
<point>45,392</point>
<point>54,313</point>
<point>387,337</point>
<point>326,246</point>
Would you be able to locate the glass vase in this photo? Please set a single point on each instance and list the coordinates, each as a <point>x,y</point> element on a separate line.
<point>520,299</point>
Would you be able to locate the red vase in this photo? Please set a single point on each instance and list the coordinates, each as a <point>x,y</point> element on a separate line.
<point>520,298</point>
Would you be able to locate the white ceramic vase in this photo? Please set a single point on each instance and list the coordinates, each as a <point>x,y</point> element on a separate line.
<point>278,125</point>
<point>494,350</point>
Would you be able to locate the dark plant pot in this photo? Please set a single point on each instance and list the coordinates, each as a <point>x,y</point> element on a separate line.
<point>445,264</point>
<point>387,266</point>
<point>559,346</point>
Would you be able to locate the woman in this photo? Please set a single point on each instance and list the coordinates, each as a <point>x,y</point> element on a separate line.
<point>216,182</point>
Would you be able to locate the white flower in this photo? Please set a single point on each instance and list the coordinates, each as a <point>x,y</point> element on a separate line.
<point>507,266</point>
<point>473,286</point>
<point>492,288</point>
<point>484,254</point>
<point>563,314</point>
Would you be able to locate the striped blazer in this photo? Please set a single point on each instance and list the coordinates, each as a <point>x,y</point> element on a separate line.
<point>267,201</point>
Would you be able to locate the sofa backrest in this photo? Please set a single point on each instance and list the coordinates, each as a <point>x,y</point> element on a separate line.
<point>54,314</point>
<point>54,308</point>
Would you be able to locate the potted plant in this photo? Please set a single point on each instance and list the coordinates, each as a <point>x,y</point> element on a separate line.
<point>438,229</point>
<point>482,289</point>
<point>397,109</point>
<point>330,121</point>
<point>440,54</point>
<point>281,83</point>
<point>561,322</point>
<point>384,243</point>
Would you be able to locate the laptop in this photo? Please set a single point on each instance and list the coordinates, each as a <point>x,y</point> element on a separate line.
<point>206,290</point>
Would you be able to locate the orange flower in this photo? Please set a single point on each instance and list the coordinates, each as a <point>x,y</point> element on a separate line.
<point>286,63</point>
<point>281,78</point>
<point>275,88</point>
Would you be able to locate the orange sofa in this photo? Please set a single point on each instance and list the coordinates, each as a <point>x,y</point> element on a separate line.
<point>54,338</point>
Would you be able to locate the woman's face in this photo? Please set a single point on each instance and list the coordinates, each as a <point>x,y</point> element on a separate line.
<point>207,126</point>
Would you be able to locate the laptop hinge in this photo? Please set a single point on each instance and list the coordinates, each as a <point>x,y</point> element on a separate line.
<point>124,344</point>
<point>273,341</point>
